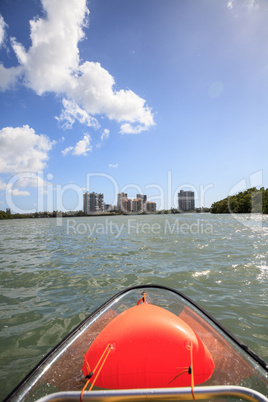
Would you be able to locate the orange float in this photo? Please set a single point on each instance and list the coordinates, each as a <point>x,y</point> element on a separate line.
<point>147,346</point>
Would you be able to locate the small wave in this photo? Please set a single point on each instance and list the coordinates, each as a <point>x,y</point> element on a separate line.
<point>202,273</point>
<point>264,272</point>
<point>200,247</point>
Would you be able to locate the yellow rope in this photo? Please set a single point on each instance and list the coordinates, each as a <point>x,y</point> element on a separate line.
<point>104,357</point>
<point>192,371</point>
<point>107,349</point>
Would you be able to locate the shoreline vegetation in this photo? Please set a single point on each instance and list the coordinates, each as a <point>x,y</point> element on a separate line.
<point>58,214</point>
<point>246,202</point>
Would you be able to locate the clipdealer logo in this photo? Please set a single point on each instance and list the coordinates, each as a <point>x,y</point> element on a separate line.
<point>51,197</point>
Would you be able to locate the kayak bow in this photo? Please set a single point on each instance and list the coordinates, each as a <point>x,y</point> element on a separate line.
<point>164,347</point>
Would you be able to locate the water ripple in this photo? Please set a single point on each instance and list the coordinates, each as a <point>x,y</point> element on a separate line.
<point>50,278</point>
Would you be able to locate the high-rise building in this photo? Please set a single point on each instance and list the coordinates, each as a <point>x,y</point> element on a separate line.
<point>120,198</point>
<point>126,205</point>
<point>186,201</point>
<point>93,203</point>
<point>150,206</point>
<point>143,199</point>
<point>137,205</point>
<point>109,207</point>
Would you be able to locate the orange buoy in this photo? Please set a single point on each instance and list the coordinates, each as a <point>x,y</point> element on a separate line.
<point>149,348</point>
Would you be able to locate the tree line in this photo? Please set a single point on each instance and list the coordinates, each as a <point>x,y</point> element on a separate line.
<point>54,214</point>
<point>249,201</point>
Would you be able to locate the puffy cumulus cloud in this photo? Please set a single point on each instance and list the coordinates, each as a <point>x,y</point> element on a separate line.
<point>22,150</point>
<point>81,148</point>
<point>73,112</point>
<point>3,26</point>
<point>52,64</point>
<point>95,91</point>
<point>53,57</point>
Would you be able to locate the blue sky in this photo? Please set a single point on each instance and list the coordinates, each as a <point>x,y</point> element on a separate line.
<point>148,96</point>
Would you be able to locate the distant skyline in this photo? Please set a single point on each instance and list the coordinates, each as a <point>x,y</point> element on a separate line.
<point>148,97</point>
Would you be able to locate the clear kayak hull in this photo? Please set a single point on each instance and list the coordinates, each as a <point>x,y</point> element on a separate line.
<point>61,372</point>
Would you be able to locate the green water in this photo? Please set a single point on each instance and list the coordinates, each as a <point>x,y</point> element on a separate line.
<point>54,273</point>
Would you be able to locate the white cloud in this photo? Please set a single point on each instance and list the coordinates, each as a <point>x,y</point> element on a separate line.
<point>3,26</point>
<point>22,150</point>
<point>95,91</point>
<point>22,180</point>
<point>53,57</point>
<point>246,4</point>
<point>2,185</point>
<point>113,165</point>
<point>9,76</point>
<point>251,4</point>
<point>52,64</point>
<point>29,180</point>
<point>127,128</point>
<point>16,192</point>
<point>81,148</point>
<point>67,150</point>
<point>105,134</point>
<point>72,112</point>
